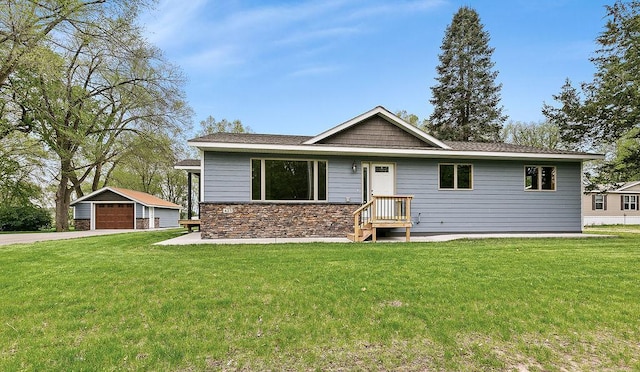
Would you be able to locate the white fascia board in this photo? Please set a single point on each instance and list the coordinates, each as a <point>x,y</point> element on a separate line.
<point>91,195</point>
<point>629,186</point>
<point>187,167</point>
<point>384,112</point>
<point>159,206</point>
<point>366,151</point>
<point>200,178</point>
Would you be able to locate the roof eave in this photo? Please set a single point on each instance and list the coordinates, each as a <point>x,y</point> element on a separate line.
<point>416,153</point>
<point>187,167</point>
<point>107,188</point>
<point>630,185</point>
<point>160,206</point>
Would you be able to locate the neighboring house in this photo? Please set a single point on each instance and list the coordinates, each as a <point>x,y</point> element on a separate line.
<point>117,208</point>
<point>260,185</point>
<point>613,205</point>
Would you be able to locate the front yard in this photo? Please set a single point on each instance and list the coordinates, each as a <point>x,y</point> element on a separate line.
<point>117,302</point>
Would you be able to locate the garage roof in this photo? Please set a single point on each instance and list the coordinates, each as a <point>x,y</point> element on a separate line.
<point>137,196</point>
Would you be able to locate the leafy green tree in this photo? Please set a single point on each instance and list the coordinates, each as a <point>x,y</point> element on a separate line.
<point>109,81</point>
<point>211,126</point>
<point>29,28</point>
<point>412,119</point>
<point>21,156</point>
<point>606,110</point>
<point>544,135</point>
<point>152,170</point>
<point>466,98</point>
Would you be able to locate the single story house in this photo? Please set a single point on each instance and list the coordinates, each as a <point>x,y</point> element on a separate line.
<point>118,208</point>
<point>617,204</point>
<point>377,171</point>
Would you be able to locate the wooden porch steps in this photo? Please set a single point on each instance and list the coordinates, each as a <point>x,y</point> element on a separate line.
<point>390,211</point>
<point>370,230</point>
<point>364,235</point>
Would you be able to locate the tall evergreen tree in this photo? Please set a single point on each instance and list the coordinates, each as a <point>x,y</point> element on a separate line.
<point>605,112</point>
<point>466,98</point>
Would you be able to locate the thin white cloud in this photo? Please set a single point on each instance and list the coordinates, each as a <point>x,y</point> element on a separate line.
<point>313,71</point>
<point>214,58</point>
<point>329,33</point>
<point>166,25</point>
<point>215,36</point>
<point>396,7</point>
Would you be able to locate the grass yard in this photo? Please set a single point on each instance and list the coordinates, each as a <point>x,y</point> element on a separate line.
<point>118,303</point>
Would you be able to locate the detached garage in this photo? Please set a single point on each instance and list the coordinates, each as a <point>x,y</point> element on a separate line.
<point>117,208</point>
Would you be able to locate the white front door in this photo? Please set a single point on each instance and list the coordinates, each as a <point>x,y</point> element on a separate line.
<point>379,179</point>
<point>383,179</point>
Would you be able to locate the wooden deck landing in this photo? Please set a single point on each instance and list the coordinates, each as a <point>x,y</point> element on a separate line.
<point>190,224</point>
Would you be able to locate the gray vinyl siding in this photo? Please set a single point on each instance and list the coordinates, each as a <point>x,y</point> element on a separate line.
<point>227,177</point>
<point>83,211</point>
<point>344,185</point>
<point>168,217</point>
<point>498,201</point>
<point>141,211</point>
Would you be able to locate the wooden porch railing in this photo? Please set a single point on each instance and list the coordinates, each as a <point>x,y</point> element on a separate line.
<point>382,211</point>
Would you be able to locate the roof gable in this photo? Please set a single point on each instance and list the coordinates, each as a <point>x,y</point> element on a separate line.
<point>137,196</point>
<point>630,186</point>
<point>377,128</point>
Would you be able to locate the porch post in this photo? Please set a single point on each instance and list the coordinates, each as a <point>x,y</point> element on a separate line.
<point>189,197</point>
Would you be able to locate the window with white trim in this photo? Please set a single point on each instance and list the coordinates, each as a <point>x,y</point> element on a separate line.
<point>455,176</point>
<point>288,180</point>
<point>629,202</point>
<point>539,178</point>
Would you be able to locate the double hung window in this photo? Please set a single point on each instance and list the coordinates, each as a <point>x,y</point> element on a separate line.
<point>629,202</point>
<point>599,202</point>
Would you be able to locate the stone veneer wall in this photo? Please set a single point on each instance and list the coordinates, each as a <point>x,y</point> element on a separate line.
<point>275,220</point>
<point>82,224</point>
<point>142,223</point>
<point>156,222</point>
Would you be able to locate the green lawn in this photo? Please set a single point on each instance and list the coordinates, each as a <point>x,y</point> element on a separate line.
<point>118,303</point>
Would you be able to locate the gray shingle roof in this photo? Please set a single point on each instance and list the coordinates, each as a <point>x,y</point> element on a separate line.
<point>253,138</point>
<point>188,163</point>
<point>503,147</point>
<point>280,139</point>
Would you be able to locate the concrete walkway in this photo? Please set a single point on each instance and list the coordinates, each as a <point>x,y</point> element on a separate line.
<point>27,238</point>
<point>194,238</point>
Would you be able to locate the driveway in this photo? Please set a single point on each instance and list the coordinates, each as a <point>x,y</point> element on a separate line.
<point>26,238</point>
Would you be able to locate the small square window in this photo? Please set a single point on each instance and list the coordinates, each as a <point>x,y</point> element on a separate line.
<point>538,178</point>
<point>456,176</point>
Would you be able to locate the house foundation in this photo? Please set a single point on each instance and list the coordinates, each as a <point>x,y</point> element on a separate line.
<point>275,220</point>
<point>143,223</point>
<point>82,224</point>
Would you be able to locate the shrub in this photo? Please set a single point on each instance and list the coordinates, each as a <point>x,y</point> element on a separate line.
<point>24,218</point>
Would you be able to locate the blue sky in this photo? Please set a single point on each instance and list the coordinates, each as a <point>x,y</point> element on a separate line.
<point>301,67</point>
